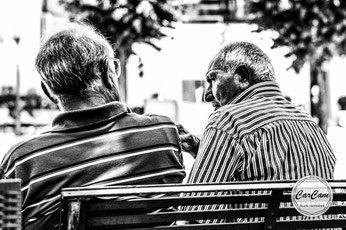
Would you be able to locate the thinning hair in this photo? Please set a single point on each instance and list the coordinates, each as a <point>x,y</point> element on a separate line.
<point>247,54</point>
<point>72,58</point>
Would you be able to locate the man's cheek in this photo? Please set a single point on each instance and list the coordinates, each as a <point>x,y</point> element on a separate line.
<point>221,93</point>
<point>218,96</point>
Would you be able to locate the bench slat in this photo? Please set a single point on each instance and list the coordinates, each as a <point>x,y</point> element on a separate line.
<point>291,211</point>
<point>183,188</point>
<point>164,217</point>
<point>216,226</point>
<point>299,224</point>
<point>289,225</point>
<point>154,203</point>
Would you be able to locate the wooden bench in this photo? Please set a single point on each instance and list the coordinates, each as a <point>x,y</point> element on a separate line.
<point>10,204</point>
<point>250,205</point>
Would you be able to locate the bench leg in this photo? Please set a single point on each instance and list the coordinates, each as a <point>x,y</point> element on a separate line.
<point>74,215</point>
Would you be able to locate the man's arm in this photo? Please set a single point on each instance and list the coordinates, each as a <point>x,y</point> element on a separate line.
<point>219,156</point>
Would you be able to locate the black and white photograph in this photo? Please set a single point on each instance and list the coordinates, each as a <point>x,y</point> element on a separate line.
<point>172,114</point>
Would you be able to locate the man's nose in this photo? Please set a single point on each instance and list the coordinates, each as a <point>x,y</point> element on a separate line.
<point>208,95</point>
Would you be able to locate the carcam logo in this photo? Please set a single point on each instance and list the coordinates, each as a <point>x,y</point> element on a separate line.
<point>312,196</point>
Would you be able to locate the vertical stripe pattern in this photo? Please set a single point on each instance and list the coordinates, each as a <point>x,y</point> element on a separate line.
<point>259,135</point>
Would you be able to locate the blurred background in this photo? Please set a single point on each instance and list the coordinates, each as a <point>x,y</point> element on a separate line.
<point>165,47</point>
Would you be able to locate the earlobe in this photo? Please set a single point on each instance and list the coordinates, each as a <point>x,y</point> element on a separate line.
<point>105,74</point>
<point>117,67</point>
<point>48,94</point>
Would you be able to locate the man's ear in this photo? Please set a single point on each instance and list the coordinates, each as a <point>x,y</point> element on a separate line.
<point>108,72</point>
<point>245,76</point>
<point>117,66</point>
<point>48,94</point>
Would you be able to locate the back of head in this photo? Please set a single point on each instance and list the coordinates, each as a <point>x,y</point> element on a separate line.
<point>246,54</point>
<point>72,58</point>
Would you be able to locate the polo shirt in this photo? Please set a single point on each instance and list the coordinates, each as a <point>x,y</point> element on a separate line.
<point>101,146</point>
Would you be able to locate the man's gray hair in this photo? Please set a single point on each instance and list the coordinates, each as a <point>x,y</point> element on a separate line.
<point>237,54</point>
<point>72,58</point>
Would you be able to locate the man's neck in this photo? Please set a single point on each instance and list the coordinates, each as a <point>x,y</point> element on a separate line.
<point>78,103</point>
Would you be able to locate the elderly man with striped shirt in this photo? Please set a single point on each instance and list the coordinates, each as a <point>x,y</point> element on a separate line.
<point>256,134</point>
<point>96,140</point>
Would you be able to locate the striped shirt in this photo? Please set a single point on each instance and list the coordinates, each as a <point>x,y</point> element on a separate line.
<point>102,146</point>
<point>259,135</point>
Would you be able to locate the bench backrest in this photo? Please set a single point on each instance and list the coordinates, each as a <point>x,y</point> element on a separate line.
<point>10,204</point>
<point>242,205</point>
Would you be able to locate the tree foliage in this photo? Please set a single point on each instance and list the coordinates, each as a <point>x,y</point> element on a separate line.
<point>313,30</point>
<point>125,22</point>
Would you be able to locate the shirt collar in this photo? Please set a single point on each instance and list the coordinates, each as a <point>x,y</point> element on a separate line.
<point>86,117</point>
<point>265,89</point>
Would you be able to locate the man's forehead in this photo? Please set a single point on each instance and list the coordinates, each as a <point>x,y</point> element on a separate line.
<point>215,65</point>
<point>216,62</point>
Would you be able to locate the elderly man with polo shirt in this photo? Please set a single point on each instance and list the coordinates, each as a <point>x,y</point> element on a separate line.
<point>96,140</point>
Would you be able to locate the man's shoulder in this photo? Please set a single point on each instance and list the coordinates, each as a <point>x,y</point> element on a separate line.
<point>230,114</point>
<point>17,151</point>
<point>158,127</point>
<point>250,115</point>
<point>158,118</point>
<point>148,119</point>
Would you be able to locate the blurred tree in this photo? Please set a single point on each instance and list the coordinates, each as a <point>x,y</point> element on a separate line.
<point>28,102</point>
<point>314,31</point>
<point>125,22</point>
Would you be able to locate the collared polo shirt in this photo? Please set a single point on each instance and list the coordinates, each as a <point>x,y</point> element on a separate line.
<point>101,146</point>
